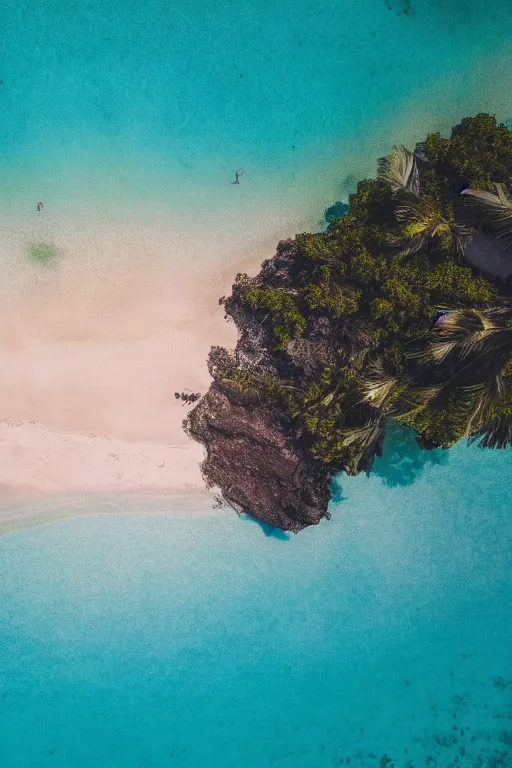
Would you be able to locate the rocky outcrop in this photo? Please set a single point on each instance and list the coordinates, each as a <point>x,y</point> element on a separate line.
<point>261,468</point>
<point>337,333</point>
<point>250,458</point>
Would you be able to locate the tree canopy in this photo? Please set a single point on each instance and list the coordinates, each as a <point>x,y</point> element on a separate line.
<point>381,317</point>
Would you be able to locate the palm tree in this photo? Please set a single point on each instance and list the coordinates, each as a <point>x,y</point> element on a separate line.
<point>400,171</point>
<point>471,355</point>
<point>496,209</point>
<point>469,359</point>
<point>423,220</point>
<point>379,397</point>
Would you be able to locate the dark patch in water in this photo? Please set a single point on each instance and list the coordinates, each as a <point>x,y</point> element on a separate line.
<point>335,211</point>
<point>403,461</point>
<point>268,530</point>
<point>337,491</point>
<point>401,7</point>
<point>43,253</point>
<point>348,184</point>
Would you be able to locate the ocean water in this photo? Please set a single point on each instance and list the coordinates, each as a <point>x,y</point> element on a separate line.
<point>110,109</point>
<point>128,119</point>
<point>188,640</point>
<point>381,638</point>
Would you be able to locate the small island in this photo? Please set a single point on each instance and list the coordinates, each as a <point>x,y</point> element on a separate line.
<point>401,311</point>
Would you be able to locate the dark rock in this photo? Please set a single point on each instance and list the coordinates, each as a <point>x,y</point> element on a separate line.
<point>250,458</point>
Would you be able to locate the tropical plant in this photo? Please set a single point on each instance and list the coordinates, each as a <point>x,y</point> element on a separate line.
<point>477,152</point>
<point>350,300</point>
<point>496,209</point>
<point>423,220</point>
<point>470,354</point>
<point>379,394</point>
<point>400,170</point>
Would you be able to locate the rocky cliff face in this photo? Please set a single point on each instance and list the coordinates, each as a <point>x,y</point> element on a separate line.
<point>249,457</point>
<point>250,453</point>
<point>337,334</point>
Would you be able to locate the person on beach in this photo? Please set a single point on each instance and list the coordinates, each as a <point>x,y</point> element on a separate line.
<point>40,206</point>
<point>238,173</point>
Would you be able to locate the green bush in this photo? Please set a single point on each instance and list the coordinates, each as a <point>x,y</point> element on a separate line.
<point>287,321</point>
<point>375,279</point>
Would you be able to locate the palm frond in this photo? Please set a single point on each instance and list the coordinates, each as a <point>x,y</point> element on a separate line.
<point>422,220</point>
<point>440,350</point>
<point>465,332</point>
<point>376,392</point>
<point>500,314</point>
<point>400,171</point>
<point>364,436</point>
<point>378,386</point>
<point>462,235</point>
<point>414,400</point>
<point>496,208</point>
<point>422,212</point>
<point>495,433</point>
<point>472,407</point>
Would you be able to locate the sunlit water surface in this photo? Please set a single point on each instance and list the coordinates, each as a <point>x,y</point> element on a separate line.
<point>208,641</point>
<point>381,637</point>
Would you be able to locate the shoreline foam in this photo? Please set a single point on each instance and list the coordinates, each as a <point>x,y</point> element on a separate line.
<point>25,512</point>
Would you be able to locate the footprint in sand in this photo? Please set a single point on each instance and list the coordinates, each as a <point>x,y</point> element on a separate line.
<point>9,422</point>
<point>93,436</point>
<point>42,458</point>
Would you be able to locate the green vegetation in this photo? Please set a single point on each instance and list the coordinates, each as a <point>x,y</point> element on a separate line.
<point>286,319</point>
<point>363,301</point>
<point>335,211</point>
<point>42,253</point>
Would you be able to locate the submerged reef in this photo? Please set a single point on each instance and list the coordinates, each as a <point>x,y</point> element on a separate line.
<point>400,312</point>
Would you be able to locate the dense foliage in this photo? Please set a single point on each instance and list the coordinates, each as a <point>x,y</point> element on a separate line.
<point>365,300</point>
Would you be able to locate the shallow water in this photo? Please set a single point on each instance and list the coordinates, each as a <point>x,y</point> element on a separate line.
<point>154,105</point>
<point>207,641</point>
<point>128,121</point>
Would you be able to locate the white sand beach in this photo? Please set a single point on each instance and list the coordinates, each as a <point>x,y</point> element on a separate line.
<point>35,458</point>
<point>93,347</point>
<point>95,341</point>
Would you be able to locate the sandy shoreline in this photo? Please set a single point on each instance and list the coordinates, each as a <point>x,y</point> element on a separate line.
<point>93,347</point>
<point>48,475</point>
<point>37,460</point>
<point>24,512</point>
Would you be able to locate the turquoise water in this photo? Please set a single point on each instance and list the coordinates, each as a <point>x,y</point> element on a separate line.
<point>159,641</point>
<point>158,102</point>
<point>185,640</point>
